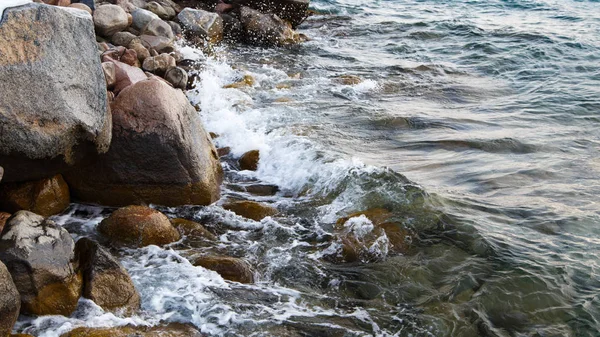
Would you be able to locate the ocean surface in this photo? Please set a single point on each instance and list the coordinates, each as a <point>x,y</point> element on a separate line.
<point>476,123</point>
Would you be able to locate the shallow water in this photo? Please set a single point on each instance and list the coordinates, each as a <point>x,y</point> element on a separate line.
<point>475,123</point>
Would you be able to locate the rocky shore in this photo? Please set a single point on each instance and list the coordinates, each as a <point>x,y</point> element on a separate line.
<point>93,110</point>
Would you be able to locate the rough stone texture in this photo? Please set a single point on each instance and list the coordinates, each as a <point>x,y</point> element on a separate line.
<point>130,57</point>
<point>202,23</point>
<point>83,7</point>
<point>126,75</point>
<point>165,13</point>
<point>192,229</point>
<point>142,17</point>
<point>110,19</point>
<point>141,51</point>
<point>90,3</point>
<point>171,330</point>
<point>158,27</point>
<point>160,153</point>
<point>292,11</point>
<point>110,74</point>
<point>122,38</point>
<point>266,29</point>
<point>249,160</point>
<point>230,268</point>
<point>45,197</point>
<point>50,53</point>
<point>177,77</point>
<point>159,64</point>
<point>250,209</point>
<point>39,256</point>
<point>175,27</point>
<point>138,226</point>
<point>257,189</point>
<point>158,43</point>
<point>3,217</point>
<point>105,281</point>
<point>10,301</point>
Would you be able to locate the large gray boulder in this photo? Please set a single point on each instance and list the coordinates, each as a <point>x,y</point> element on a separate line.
<point>292,11</point>
<point>53,107</point>
<point>160,153</point>
<point>39,255</point>
<point>10,302</point>
<point>201,23</point>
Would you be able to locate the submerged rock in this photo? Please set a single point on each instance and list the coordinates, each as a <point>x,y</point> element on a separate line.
<point>170,330</point>
<point>45,197</point>
<point>110,19</point>
<point>10,301</point>
<point>105,281</point>
<point>250,209</point>
<point>201,23</point>
<point>266,29</point>
<point>230,268</point>
<point>160,153</point>
<point>249,160</point>
<point>192,229</point>
<point>292,11</point>
<point>39,256</point>
<point>138,226</point>
<point>49,53</point>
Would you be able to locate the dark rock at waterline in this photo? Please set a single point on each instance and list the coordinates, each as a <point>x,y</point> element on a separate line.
<point>230,268</point>
<point>201,23</point>
<point>250,209</point>
<point>232,27</point>
<point>138,226</point>
<point>249,160</point>
<point>39,256</point>
<point>257,189</point>
<point>177,77</point>
<point>45,197</point>
<point>192,229</point>
<point>10,301</point>
<point>105,281</point>
<point>170,330</point>
<point>49,53</point>
<point>292,11</point>
<point>266,29</point>
<point>160,153</point>
<point>159,64</point>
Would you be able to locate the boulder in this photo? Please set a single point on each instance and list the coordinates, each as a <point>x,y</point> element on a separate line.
<point>232,27</point>
<point>160,153</point>
<point>3,217</point>
<point>170,330</point>
<point>39,256</point>
<point>122,39</point>
<point>177,77</point>
<point>230,268</point>
<point>159,64</point>
<point>249,160</point>
<point>105,281</point>
<point>257,189</point>
<point>110,19</point>
<point>292,11</point>
<point>130,57</point>
<point>45,197</point>
<point>10,301</point>
<point>201,23</point>
<point>138,226</point>
<point>165,13</point>
<point>158,27</point>
<point>140,50</point>
<point>175,27</point>
<point>50,53</point>
<point>266,29</point>
<point>142,17</point>
<point>126,75</point>
<point>159,43</point>
<point>250,209</point>
<point>192,229</point>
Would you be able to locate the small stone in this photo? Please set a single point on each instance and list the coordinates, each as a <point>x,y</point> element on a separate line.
<point>230,268</point>
<point>158,43</point>
<point>122,39</point>
<point>130,57</point>
<point>138,226</point>
<point>159,64</point>
<point>46,196</point>
<point>250,209</point>
<point>177,77</point>
<point>109,19</point>
<point>109,74</point>
<point>83,7</point>
<point>223,151</point>
<point>141,17</point>
<point>158,27</point>
<point>348,79</point>
<point>193,229</point>
<point>140,50</point>
<point>249,160</point>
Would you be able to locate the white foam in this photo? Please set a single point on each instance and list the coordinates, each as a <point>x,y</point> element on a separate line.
<point>4,4</point>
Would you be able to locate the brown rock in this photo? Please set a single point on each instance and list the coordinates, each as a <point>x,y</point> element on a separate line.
<point>130,57</point>
<point>292,11</point>
<point>247,81</point>
<point>158,43</point>
<point>126,75</point>
<point>266,29</point>
<point>348,79</point>
<point>105,281</point>
<point>177,77</point>
<point>109,19</point>
<point>192,229</point>
<point>3,217</point>
<point>138,226</point>
<point>230,268</point>
<point>159,64</point>
<point>249,161</point>
<point>170,330</point>
<point>223,151</point>
<point>10,301</point>
<point>45,197</point>
<point>250,209</point>
<point>142,52</point>
<point>63,3</point>
<point>110,74</point>
<point>202,24</point>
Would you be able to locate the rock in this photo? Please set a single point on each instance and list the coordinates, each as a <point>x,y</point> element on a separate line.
<point>142,17</point>
<point>202,24</point>
<point>126,75</point>
<point>138,226</point>
<point>130,57</point>
<point>105,281</point>
<point>249,160</point>
<point>159,10</point>
<point>45,197</point>
<point>193,229</point>
<point>160,153</point>
<point>159,64</point>
<point>247,81</point>
<point>292,11</point>
<point>3,217</point>
<point>158,43</point>
<point>170,330</point>
<point>122,39</point>
<point>223,151</point>
<point>39,256</point>
<point>266,29</point>
<point>110,74</point>
<point>232,27</point>
<point>10,301</point>
<point>109,19</point>
<point>83,7</point>
<point>91,4</point>
<point>64,3</point>
<point>158,27</point>
<point>51,53</point>
<point>177,77</point>
<point>348,79</point>
<point>175,27</point>
<point>257,189</point>
<point>250,209</point>
<point>140,50</point>
<point>230,268</point>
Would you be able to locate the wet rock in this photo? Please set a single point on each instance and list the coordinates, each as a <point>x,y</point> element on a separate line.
<point>292,11</point>
<point>223,151</point>
<point>348,79</point>
<point>3,217</point>
<point>140,50</point>
<point>250,209</point>
<point>39,256</point>
<point>45,197</point>
<point>258,189</point>
<point>177,77</point>
<point>170,330</point>
<point>83,7</point>
<point>202,24</point>
<point>126,75</point>
<point>142,17</point>
<point>68,119</point>
<point>122,39</point>
<point>110,19</point>
<point>247,81</point>
<point>138,226</point>
<point>192,229</point>
<point>158,43</point>
<point>160,153</point>
<point>110,74</point>
<point>249,160</point>
<point>158,27</point>
<point>175,27</point>
<point>230,268</point>
<point>10,301</point>
<point>266,29</point>
<point>105,281</point>
<point>232,27</point>
<point>159,64</point>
